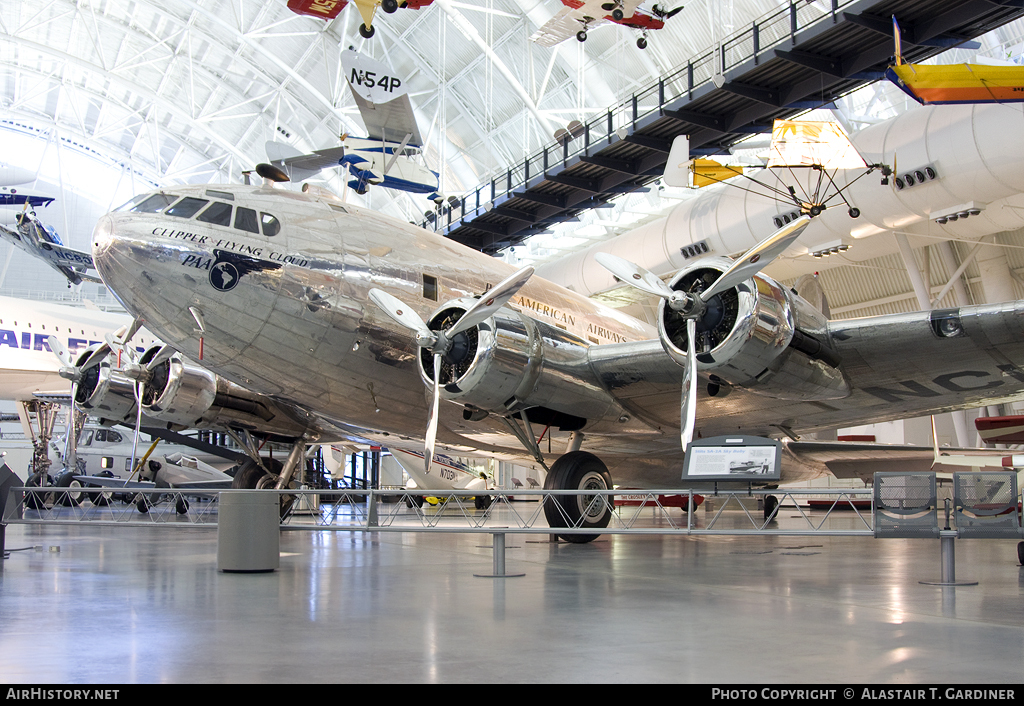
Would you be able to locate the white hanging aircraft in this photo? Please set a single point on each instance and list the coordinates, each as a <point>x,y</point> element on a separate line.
<point>351,326</point>
<point>385,157</point>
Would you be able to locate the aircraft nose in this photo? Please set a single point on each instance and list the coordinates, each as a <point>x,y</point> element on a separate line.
<point>102,234</point>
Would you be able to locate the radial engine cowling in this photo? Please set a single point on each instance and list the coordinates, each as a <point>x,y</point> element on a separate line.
<point>104,392</point>
<point>178,393</point>
<point>757,335</point>
<point>512,362</point>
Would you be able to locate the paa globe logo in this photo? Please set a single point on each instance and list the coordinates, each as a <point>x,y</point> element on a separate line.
<point>224,276</point>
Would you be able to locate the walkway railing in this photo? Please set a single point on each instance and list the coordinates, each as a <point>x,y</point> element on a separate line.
<point>749,44</point>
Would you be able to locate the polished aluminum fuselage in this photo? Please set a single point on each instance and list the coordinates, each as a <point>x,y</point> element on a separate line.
<point>288,316</point>
<point>298,325</point>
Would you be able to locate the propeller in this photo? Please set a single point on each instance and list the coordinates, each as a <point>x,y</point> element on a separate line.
<point>692,306</point>
<point>439,343</point>
<point>68,370</point>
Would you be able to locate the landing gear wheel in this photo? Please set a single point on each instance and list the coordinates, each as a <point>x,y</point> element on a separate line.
<point>414,501</point>
<point>578,470</point>
<point>251,476</point>
<point>641,43</point>
<point>37,501</point>
<point>1020,553</point>
<point>816,210</point>
<point>771,507</point>
<point>617,15</point>
<point>582,35</point>
<point>181,505</point>
<point>389,6</point>
<point>482,502</point>
<point>142,503</point>
<point>366,32</point>
<point>854,213</point>
<point>73,496</point>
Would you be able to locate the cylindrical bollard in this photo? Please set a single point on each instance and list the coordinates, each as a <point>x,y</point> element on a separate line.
<point>248,531</point>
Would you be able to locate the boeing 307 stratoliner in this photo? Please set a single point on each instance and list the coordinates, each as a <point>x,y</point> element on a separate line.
<point>341,323</point>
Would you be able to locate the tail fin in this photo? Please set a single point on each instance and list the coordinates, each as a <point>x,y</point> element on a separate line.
<point>896,37</point>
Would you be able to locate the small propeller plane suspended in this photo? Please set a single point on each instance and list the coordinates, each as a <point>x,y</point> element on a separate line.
<point>330,9</point>
<point>580,16</point>
<point>385,156</point>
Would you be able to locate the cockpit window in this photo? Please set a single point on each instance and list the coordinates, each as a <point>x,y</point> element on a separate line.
<point>187,207</point>
<point>219,214</point>
<point>245,219</point>
<point>271,226</point>
<point>135,199</point>
<point>226,195</point>
<point>155,203</point>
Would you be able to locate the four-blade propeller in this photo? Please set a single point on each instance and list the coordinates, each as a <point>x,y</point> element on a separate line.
<point>439,343</point>
<point>692,306</point>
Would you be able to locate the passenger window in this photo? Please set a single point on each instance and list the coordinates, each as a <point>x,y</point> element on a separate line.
<point>155,203</point>
<point>245,219</point>
<point>101,435</point>
<point>271,226</point>
<point>113,437</point>
<point>219,214</point>
<point>87,438</point>
<point>187,207</point>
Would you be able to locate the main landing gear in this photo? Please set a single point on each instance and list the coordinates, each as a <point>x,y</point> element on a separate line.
<point>578,470</point>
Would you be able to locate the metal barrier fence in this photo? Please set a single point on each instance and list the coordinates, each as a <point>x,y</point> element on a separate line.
<point>521,511</point>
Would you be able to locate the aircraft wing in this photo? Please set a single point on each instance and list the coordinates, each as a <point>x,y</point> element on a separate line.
<point>566,23</point>
<point>897,366</point>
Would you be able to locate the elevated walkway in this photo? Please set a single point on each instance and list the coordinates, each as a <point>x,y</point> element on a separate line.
<point>796,58</point>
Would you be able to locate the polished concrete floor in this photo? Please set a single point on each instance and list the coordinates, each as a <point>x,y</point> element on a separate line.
<point>129,605</point>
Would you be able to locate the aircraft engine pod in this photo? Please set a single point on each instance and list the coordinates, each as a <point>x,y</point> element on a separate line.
<point>756,336</point>
<point>511,362</point>
<point>104,392</point>
<point>178,393</point>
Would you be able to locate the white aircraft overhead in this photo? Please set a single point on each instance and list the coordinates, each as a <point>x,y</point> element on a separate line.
<point>580,16</point>
<point>384,157</point>
<point>363,328</point>
<point>443,474</point>
<point>41,241</point>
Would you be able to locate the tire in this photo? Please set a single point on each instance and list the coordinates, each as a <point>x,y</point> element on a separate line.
<point>578,470</point>
<point>366,32</point>
<point>413,501</point>
<point>581,36</point>
<point>37,501</point>
<point>250,476</point>
<point>181,505</point>
<point>482,502</point>
<point>1020,553</point>
<point>69,498</point>
<point>641,43</point>
<point>617,15</point>
<point>389,6</point>
<point>771,507</point>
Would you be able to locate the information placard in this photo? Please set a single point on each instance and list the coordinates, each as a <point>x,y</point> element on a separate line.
<point>736,458</point>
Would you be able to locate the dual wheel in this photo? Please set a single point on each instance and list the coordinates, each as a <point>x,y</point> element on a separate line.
<point>251,476</point>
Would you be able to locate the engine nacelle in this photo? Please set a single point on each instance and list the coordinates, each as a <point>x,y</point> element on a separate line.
<point>186,395</point>
<point>104,392</point>
<point>512,362</point>
<point>178,393</point>
<point>757,335</point>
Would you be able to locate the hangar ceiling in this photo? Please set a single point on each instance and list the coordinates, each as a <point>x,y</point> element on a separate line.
<point>191,90</point>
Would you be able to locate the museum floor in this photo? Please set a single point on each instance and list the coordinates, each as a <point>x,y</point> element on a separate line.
<point>120,605</point>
